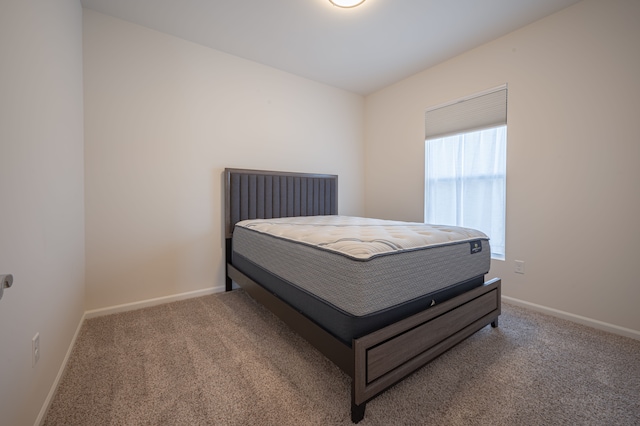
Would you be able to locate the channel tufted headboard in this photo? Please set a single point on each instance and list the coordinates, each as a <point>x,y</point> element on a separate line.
<point>258,194</point>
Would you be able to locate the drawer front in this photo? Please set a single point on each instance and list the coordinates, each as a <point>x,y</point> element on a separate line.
<point>391,354</point>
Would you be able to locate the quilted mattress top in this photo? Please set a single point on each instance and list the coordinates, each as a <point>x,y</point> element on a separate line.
<point>362,238</point>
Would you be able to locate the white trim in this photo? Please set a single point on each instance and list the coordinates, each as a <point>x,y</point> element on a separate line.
<point>627,332</point>
<point>151,302</point>
<point>54,387</point>
<point>600,325</point>
<point>112,310</point>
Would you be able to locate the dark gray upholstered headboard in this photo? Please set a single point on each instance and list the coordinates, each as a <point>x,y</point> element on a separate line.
<point>258,194</point>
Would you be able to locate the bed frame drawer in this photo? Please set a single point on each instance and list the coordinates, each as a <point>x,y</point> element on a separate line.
<point>385,357</point>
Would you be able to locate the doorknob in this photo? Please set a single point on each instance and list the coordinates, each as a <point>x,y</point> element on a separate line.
<point>5,282</point>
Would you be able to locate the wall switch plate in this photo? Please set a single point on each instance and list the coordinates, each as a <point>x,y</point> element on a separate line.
<point>35,349</point>
<point>519,267</point>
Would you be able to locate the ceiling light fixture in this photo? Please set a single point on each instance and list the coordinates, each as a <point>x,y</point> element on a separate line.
<point>346,3</point>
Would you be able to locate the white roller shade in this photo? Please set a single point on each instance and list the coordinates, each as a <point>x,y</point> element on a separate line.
<point>482,111</point>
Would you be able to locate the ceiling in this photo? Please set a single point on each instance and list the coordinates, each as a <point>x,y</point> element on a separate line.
<point>361,49</point>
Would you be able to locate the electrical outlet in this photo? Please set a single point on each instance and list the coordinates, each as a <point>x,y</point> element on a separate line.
<point>519,269</point>
<point>35,349</point>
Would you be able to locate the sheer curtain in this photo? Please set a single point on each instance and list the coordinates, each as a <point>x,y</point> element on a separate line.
<point>465,183</point>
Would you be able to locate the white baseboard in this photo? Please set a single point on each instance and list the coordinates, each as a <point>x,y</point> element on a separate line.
<point>151,302</point>
<point>112,310</point>
<point>52,392</point>
<point>600,325</point>
<point>627,332</point>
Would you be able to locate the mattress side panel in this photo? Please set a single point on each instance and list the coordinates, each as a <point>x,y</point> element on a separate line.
<point>339,323</point>
<point>363,287</point>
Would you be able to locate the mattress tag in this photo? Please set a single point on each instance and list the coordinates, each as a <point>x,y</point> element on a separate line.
<point>476,246</point>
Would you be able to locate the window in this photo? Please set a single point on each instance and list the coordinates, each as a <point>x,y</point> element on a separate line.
<point>465,165</point>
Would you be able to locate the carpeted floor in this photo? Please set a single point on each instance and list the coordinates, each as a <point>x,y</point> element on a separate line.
<point>225,360</point>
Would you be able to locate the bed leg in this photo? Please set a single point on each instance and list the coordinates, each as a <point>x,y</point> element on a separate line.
<point>228,249</point>
<point>494,323</point>
<point>357,412</point>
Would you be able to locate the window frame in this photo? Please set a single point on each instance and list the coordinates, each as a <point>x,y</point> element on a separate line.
<point>467,116</point>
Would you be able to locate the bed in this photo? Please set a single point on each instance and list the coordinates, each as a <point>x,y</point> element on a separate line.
<point>379,310</point>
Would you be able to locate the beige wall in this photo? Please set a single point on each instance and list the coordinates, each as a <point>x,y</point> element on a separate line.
<point>573,197</point>
<point>164,117</point>
<point>41,197</point>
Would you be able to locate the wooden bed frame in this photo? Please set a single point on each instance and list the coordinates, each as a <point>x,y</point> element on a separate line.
<point>384,357</point>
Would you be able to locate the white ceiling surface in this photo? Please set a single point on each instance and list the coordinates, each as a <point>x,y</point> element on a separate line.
<point>362,49</point>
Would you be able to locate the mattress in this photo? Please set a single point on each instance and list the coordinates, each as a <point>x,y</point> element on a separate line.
<point>359,270</point>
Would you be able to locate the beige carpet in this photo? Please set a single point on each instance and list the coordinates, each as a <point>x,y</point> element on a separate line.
<point>225,360</point>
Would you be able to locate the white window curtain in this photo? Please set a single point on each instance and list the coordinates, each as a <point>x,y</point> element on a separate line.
<point>469,189</point>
